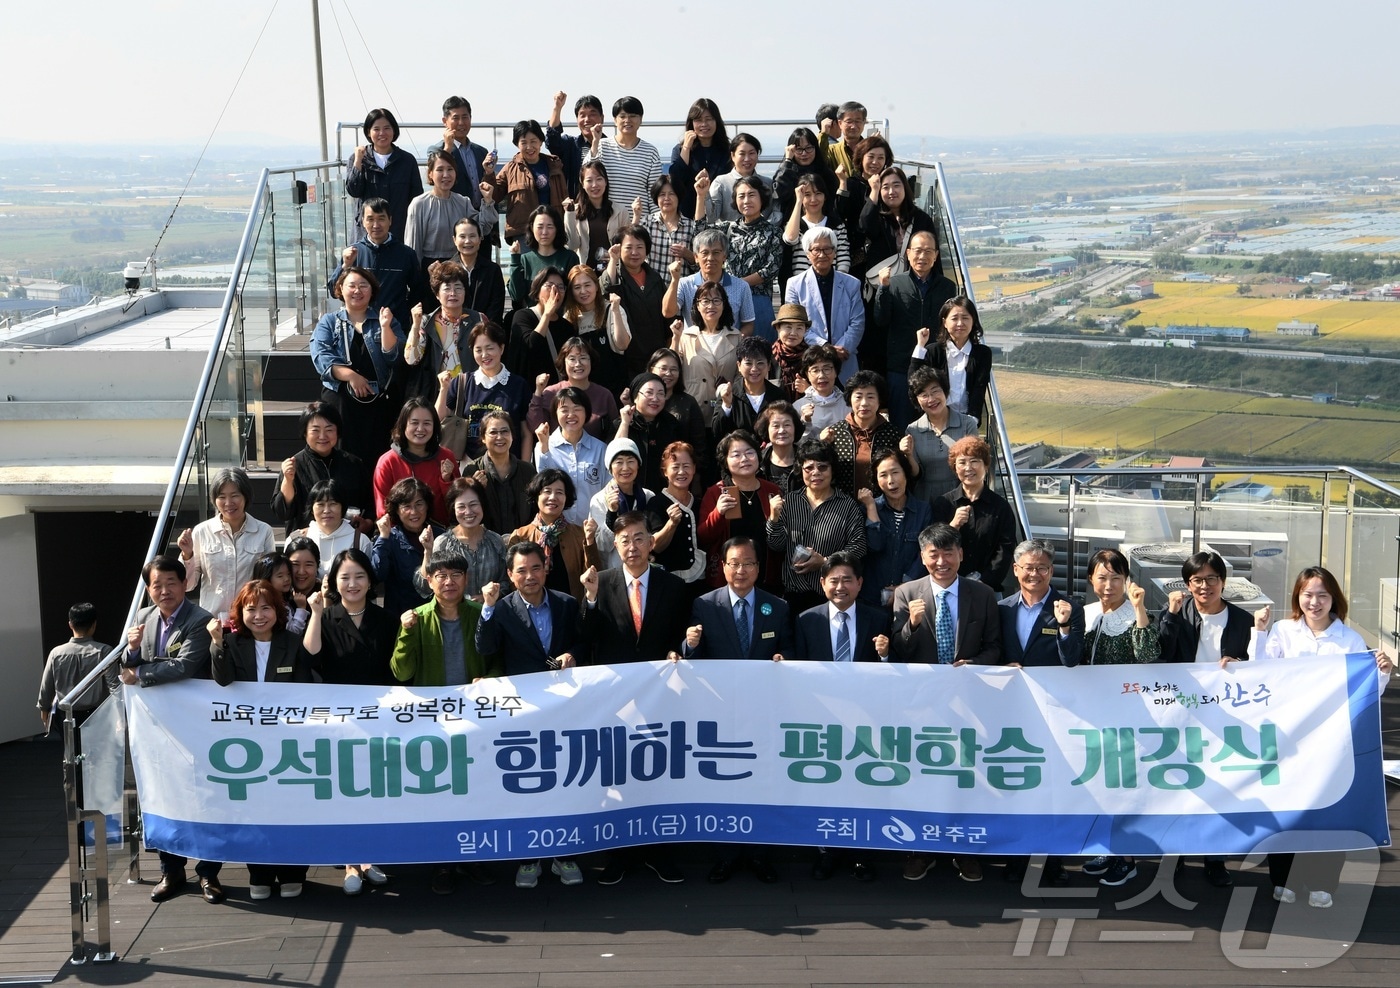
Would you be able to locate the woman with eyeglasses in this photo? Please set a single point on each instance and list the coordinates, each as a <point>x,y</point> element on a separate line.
<point>802,157</point>
<point>647,424</point>
<point>707,344</point>
<point>739,505</point>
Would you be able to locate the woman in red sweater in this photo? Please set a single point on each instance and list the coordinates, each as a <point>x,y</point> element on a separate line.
<point>416,451</point>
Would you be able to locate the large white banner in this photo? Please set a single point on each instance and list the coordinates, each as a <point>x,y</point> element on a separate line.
<point>1111,759</point>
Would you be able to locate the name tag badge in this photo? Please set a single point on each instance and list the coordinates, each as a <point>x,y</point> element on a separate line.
<point>1049,631</point>
<point>769,634</point>
<point>282,669</point>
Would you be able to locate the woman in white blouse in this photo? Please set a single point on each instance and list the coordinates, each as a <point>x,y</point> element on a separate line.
<point>219,553</point>
<point>1316,626</point>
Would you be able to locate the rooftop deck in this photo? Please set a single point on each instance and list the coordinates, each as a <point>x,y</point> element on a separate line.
<point>796,932</point>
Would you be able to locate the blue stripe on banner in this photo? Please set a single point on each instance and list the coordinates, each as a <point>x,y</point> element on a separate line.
<point>834,827</point>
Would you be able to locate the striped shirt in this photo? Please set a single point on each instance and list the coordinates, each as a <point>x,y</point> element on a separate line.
<point>837,523</point>
<point>630,172</point>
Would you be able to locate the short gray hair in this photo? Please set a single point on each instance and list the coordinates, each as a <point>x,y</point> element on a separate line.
<point>709,238</point>
<point>1038,547</point>
<point>940,536</point>
<point>818,233</point>
<point>236,476</point>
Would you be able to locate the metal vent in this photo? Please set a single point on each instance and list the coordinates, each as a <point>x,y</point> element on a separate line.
<point>1162,552</point>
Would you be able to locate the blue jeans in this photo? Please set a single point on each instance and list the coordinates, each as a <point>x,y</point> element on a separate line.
<point>763,315</point>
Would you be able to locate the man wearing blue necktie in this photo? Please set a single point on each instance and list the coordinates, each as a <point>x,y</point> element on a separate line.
<point>738,621</point>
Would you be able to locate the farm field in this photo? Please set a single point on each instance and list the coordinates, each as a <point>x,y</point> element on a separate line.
<point>1220,305</point>
<point>1077,412</point>
<point>982,283</point>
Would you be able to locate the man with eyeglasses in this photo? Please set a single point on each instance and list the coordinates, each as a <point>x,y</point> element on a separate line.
<point>738,621</point>
<point>1199,625</point>
<point>832,299</point>
<point>1039,625</point>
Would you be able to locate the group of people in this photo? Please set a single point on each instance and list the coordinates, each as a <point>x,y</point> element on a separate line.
<point>645,458</point>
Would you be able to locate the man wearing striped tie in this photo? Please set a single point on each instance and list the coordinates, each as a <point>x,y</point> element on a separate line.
<point>948,620</point>
<point>842,630</point>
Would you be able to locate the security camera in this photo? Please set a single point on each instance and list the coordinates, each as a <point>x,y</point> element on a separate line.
<point>131,275</point>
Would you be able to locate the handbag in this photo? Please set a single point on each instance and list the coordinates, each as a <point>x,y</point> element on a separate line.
<point>897,263</point>
<point>456,428</point>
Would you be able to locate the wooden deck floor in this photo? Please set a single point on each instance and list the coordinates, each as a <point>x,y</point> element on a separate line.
<point>641,932</point>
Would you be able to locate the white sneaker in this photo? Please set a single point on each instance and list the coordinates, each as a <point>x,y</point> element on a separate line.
<point>1320,900</point>
<point>374,876</point>
<point>353,884</point>
<point>1284,895</point>
<point>291,890</point>
<point>260,891</point>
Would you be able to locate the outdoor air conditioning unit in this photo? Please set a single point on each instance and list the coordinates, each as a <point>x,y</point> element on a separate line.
<point>1238,591</point>
<point>1260,557</point>
<point>1148,561</point>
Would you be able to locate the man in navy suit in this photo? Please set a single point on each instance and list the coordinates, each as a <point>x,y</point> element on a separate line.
<point>533,629</point>
<point>716,616</point>
<point>738,621</point>
<point>819,628</point>
<point>1039,625</point>
<point>842,630</point>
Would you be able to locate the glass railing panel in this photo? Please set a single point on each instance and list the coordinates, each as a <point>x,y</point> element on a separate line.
<point>1372,566</point>
<point>102,738</point>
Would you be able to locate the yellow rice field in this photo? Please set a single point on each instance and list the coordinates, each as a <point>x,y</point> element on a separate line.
<point>1220,305</point>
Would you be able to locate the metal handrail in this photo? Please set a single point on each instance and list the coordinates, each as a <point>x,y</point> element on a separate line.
<point>202,396</point>
<point>1013,481</point>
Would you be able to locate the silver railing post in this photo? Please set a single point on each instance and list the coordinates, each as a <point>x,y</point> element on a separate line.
<point>1348,527</point>
<point>1325,543</point>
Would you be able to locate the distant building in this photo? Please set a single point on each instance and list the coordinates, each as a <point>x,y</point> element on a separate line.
<point>1316,278</point>
<point>1232,333</point>
<point>1295,328</point>
<point>1197,277</point>
<point>1061,265</point>
<point>1140,290</point>
<point>54,291</point>
<point>1184,463</point>
<point>1243,491</point>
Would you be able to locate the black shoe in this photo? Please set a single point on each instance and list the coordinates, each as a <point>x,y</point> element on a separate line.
<point>171,884</point>
<point>612,873</point>
<point>824,867</point>
<point>863,872</point>
<point>1056,877</point>
<point>1217,875</point>
<point>764,871</point>
<point>666,871</point>
<point>444,881</point>
<point>1013,873</point>
<point>720,873</point>
<point>477,872</point>
<point>212,891</point>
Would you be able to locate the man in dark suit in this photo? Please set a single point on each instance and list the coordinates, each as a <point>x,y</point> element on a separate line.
<point>170,642</point>
<point>533,629</point>
<point>716,616</point>
<point>1039,625</point>
<point>946,619</point>
<point>738,621</point>
<point>842,630</point>
<point>819,628</point>
<point>630,615</point>
<point>949,620</point>
<point>469,158</point>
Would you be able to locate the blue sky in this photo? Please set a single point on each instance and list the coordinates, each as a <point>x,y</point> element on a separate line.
<point>158,71</point>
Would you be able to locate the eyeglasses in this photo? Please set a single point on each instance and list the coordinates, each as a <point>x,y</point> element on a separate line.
<point>826,249</point>
<point>745,564</point>
<point>1199,582</point>
<point>815,467</point>
<point>709,300</point>
<point>1033,569</point>
<point>625,541</point>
